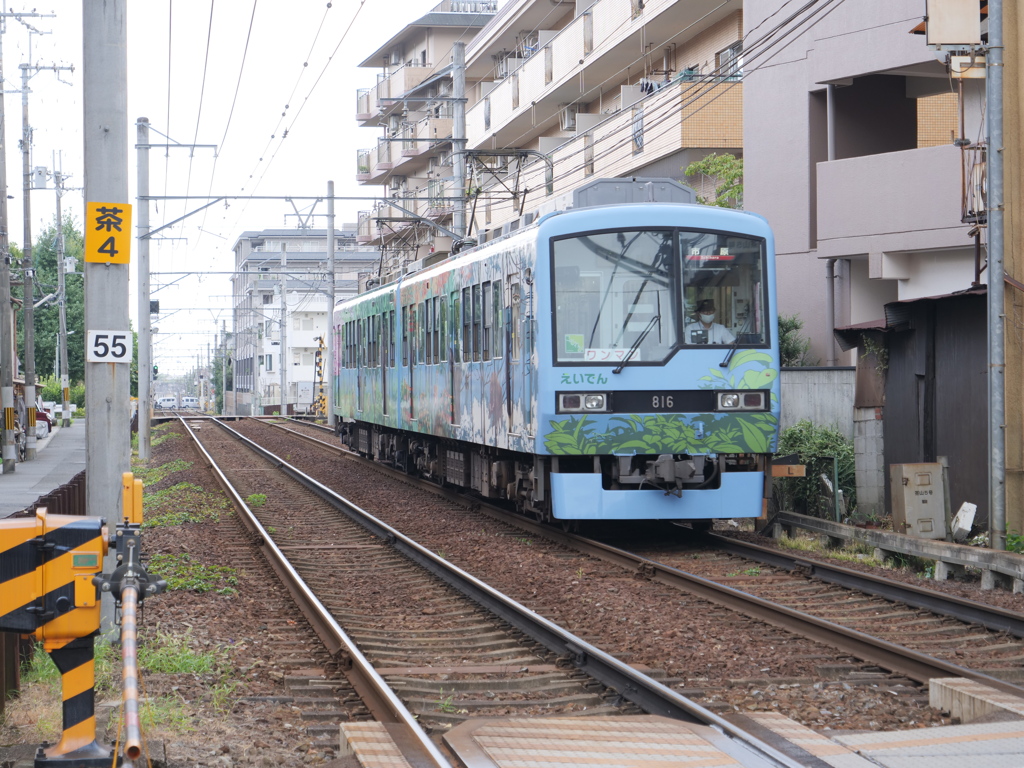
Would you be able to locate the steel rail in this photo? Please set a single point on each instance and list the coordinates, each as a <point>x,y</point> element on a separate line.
<point>948,605</point>
<point>371,687</point>
<point>634,686</point>
<point>897,658</point>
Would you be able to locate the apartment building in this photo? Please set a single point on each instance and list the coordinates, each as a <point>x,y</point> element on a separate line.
<point>556,93</point>
<point>412,104</point>
<point>293,261</point>
<point>866,152</point>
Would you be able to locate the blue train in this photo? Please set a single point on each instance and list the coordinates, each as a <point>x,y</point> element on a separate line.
<point>611,362</point>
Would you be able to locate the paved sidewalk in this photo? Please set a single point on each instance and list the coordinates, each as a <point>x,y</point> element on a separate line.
<point>59,457</point>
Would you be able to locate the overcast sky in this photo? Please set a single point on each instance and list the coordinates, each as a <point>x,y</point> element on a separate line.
<point>294,65</point>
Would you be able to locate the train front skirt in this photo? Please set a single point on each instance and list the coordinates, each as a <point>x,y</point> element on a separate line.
<point>581,497</point>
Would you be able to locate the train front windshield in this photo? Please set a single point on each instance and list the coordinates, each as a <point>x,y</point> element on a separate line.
<point>637,296</point>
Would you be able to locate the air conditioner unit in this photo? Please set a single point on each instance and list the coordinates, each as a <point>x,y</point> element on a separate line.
<point>568,116</point>
<point>396,183</point>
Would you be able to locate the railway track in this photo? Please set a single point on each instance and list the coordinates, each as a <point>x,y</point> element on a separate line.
<point>423,640</point>
<point>916,632</point>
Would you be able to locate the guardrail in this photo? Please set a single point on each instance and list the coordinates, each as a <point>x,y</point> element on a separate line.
<point>996,566</point>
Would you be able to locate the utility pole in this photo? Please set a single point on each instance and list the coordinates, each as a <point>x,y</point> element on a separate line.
<point>332,298</point>
<point>65,389</point>
<point>459,136</point>
<point>224,367</point>
<point>7,347</point>
<point>284,328</point>
<point>105,131</point>
<point>29,279</point>
<point>996,275</point>
<point>145,367</point>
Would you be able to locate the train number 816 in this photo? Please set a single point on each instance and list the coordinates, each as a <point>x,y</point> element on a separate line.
<point>661,401</point>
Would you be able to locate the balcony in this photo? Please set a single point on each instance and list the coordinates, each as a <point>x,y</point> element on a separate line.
<point>374,103</point>
<point>594,48</point>
<point>374,165</point>
<point>895,202</point>
<point>429,201</point>
<point>680,116</point>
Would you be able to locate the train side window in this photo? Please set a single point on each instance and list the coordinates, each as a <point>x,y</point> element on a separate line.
<point>485,318</point>
<point>476,323</point>
<point>514,300</point>
<point>420,351</point>
<point>377,331</point>
<point>359,343</point>
<point>428,329</point>
<point>442,317</point>
<point>391,335</point>
<point>405,335</point>
<point>498,306</point>
<point>437,330</point>
<point>467,324</point>
<point>456,312</point>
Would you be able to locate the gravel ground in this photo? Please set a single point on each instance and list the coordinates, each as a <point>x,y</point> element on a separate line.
<point>228,717</point>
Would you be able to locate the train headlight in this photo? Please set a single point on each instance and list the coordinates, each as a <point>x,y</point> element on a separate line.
<point>728,400</point>
<point>581,402</point>
<point>742,401</point>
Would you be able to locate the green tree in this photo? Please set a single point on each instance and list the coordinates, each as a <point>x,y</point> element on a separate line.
<point>726,172</point>
<point>47,317</point>
<point>794,349</point>
<point>218,367</point>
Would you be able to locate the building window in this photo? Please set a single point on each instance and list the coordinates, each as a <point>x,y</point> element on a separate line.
<point>638,130</point>
<point>729,61</point>
<point>637,8</point>
<point>268,298</point>
<point>270,363</point>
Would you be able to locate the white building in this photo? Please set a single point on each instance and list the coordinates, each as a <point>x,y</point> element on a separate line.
<point>293,261</point>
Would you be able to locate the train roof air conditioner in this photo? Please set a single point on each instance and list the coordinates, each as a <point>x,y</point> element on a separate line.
<point>568,116</point>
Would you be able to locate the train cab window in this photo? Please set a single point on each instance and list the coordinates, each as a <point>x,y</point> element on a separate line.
<point>456,313</point>
<point>615,295</point>
<point>498,305</point>
<point>467,324</point>
<point>442,318</point>
<point>514,300</point>
<point>476,323</point>
<point>723,284</point>
<point>485,316</point>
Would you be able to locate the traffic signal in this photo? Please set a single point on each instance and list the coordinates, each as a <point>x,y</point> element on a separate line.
<point>156,370</point>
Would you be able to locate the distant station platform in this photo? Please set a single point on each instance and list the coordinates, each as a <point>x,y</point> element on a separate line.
<point>59,457</point>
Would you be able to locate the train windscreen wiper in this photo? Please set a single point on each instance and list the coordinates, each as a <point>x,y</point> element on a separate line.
<point>636,344</point>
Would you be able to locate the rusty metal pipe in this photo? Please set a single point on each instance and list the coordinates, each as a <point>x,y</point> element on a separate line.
<point>130,671</point>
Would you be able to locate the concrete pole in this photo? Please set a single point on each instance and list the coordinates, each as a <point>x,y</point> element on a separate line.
<point>105,130</point>
<point>996,285</point>
<point>6,314</point>
<point>29,272</point>
<point>284,329</point>
<point>332,298</point>
<point>224,367</point>
<point>459,137</point>
<point>145,368</point>
<point>65,383</point>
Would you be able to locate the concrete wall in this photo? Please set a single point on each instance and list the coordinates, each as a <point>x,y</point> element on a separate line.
<point>823,396</point>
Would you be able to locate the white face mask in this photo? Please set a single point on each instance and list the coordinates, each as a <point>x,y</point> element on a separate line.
<point>706,319</point>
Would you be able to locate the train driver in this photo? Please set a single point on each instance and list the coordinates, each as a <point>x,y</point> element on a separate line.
<point>705,330</point>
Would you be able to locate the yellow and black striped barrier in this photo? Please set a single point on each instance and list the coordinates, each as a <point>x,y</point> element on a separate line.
<point>50,586</point>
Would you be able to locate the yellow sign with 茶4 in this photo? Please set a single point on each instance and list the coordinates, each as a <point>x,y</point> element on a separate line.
<point>108,232</point>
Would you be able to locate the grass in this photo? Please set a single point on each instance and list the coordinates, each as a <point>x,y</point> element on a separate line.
<point>153,475</point>
<point>184,572</point>
<point>853,553</point>
<point>35,714</point>
<point>256,499</point>
<point>183,503</point>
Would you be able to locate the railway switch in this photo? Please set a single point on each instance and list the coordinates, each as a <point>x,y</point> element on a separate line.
<point>51,585</point>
